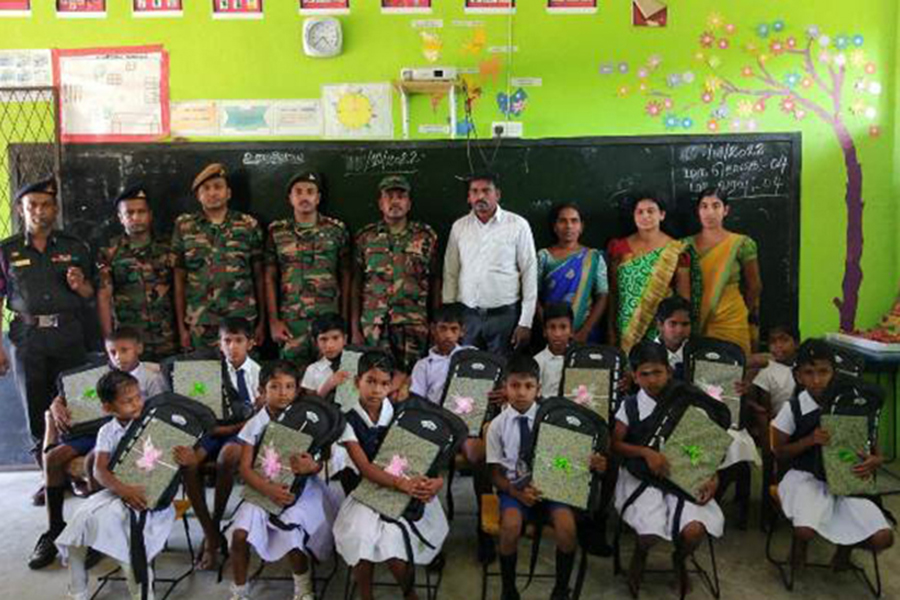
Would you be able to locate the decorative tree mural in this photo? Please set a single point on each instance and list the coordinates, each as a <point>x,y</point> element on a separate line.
<point>742,73</point>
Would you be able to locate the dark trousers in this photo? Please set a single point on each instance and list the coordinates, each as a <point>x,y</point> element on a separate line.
<point>39,355</point>
<point>491,329</point>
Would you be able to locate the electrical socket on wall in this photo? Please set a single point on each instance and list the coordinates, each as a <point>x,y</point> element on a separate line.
<point>507,129</point>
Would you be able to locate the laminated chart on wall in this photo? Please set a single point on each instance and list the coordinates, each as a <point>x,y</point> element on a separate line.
<point>15,8</point>
<point>360,110</point>
<point>156,8</point>
<point>113,94</point>
<point>571,6</point>
<point>26,68</point>
<point>405,6</point>
<point>258,118</point>
<point>490,6</point>
<point>81,8</point>
<point>324,7</point>
<point>237,9</point>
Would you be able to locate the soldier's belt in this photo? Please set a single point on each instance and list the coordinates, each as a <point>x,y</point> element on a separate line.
<point>45,321</point>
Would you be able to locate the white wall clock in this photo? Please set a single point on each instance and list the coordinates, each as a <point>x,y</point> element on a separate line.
<point>322,37</point>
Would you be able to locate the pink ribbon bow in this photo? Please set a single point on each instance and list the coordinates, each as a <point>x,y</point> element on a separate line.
<point>397,467</point>
<point>583,395</point>
<point>463,405</point>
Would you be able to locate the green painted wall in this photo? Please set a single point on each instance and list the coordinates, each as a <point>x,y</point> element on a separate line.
<point>263,59</point>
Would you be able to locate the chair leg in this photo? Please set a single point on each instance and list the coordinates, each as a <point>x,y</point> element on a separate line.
<point>579,577</point>
<point>451,511</point>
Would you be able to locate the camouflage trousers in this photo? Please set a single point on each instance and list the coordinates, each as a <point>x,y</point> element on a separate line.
<point>301,350</point>
<point>407,343</point>
<point>204,336</point>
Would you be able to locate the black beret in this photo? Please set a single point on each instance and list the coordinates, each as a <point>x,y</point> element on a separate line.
<point>44,186</point>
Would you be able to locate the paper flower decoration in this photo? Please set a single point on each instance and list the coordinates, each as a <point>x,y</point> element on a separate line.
<point>715,391</point>
<point>562,463</point>
<point>198,389</point>
<point>150,456</point>
<point>583,395</point>
<point>90,394</point>
<point>397,467</point>
<point>846,455</point>
<point>271,462</point>
<point>463,405</point>
<point>694,453</point>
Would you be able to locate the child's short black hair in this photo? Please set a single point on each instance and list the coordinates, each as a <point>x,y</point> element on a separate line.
<point>523,365</point>
<point>328,322</point>
<point>670,306</point>
<point>814,349</point>
<point>648,352</point>
<point>558,310</point>
<point>375,359</point>
<point>785,328</point>
<point>236,326</point>
<point>277,367</point>
<point>449,313</point>
<point>120,334</point>
<point>112,383</point>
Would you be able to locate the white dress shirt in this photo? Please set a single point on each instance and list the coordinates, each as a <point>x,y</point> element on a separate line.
<point>251,376</point>
<point>492,264</point>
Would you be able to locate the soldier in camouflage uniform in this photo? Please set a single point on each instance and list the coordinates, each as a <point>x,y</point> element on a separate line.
<point>136,279</point>
<point>395,278</point>
<point>307,269</point>
<point>218,265</point>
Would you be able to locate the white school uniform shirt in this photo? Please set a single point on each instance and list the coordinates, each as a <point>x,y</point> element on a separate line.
<point>109,436</point>
<point>254,427</point>
<point>646,406</point>
<point>317,374</point>
<point>778,380</point>
<point>784,420</point>
<point>551,367</point>
<point>150,379</point>
<point>251,376</point>
<point>429,376</point>
<point>492,264</point>
<point>675,358</point>
<point>503,438</point>
<point>384,419</point>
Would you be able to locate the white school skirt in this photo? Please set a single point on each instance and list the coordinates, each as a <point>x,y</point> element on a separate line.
<point>313,514</point>
<point>841,520</point>
<point>742,449</point>
<point>653,512</point>
<point>103,523</point>
<point>361,534</point>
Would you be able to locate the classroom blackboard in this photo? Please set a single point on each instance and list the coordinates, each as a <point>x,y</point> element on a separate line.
<point>760,171</point>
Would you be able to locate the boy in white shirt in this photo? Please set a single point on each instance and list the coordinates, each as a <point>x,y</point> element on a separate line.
<point>323,376</point>
<point>558,319</point>
<point>429,376</point>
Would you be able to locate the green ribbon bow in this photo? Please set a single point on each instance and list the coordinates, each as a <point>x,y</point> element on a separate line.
<point>562,463</point>
<point>199,389</point>
<point>694,452</point>
<point>90,394</point>
<point>846,455</point>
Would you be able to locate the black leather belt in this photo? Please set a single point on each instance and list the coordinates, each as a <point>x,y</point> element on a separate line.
<point>492,312</point>
<point>45,321</point>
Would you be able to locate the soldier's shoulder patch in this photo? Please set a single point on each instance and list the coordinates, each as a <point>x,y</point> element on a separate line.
<point>367,230</point>
<point>279,225</point>
<point>12,240</point>
<point>185,220</point>
<point>246,220</point>
<point>325,220</point>
<point>419,226</point>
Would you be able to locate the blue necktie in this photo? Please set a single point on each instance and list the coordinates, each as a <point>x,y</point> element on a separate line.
<point>243,392</point>
<point>524,437</point>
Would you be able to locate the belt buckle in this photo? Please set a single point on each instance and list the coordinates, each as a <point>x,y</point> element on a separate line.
<point>47,321</point>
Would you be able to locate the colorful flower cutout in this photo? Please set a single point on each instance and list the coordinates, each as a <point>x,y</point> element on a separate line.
<point>463,405</point>
<point>150,456</point>
<point>398,466</point>
<point>271,462</point>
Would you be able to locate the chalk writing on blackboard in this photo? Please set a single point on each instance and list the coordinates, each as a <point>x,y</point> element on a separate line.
<point>273,158</point>
<point>383,161</point>
<point>752,170</point>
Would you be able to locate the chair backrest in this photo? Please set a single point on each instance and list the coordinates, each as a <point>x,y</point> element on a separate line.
<point>208,382</point>
<point>716,366</point>
<point>320,419</point>
<point>847,361</point>
<point>607,365</point>
<point>472,364</point>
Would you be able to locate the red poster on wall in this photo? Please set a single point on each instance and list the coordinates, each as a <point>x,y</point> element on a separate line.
<point>156,8</point>
<point>237,9</point>
<point>490,6</point>
<point>81,8</point>
<point>405,6</point>
<point>15,8</point>
<point>324,7</point>
<point>571,6</point>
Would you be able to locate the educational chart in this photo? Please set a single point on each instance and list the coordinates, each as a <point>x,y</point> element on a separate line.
<point>269,117</point>
<point>361,110</point>
<point>324,7</point>
<point>26,68</point>
<point>490,6</point>
<point>113,94</point>
<point>156,8</point>
<point>15,8</point>
<point>237,9</point>
<point>571,6</point>
<point>81,8</point>
<point>405,6</point>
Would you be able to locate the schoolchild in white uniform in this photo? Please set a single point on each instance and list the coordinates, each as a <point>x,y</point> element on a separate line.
<point>323,376</point>
<point>845,521</point>
<point>361,536</point>
<point>309,518</point>
<point>673,320</point>
<point>509,439</point>
<point>774,385</point>
<point>123,350</point>
<point>652,515</point>
<point>103,521</point>
<point>558,320</point>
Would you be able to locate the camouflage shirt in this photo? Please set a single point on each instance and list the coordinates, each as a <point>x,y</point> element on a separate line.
<point>219,262</point>
<point>142,289</point>
<point>396,272</point>
<point>308,260</point>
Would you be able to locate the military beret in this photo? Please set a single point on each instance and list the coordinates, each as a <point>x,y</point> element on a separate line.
<point>134,192</point>
<point>44,186</point>
<point>394,182</point>
<point>308,176</point>
<point>209,172</point>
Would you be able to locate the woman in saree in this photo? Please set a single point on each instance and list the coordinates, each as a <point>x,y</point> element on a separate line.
<point>571,273</point>
<point>725,273</point>
<point>647,267</point>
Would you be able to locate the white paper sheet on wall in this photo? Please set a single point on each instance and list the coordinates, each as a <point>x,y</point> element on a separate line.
<point>26,68</point>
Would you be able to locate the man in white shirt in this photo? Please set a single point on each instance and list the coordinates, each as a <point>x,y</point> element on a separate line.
<point>490,267</point>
